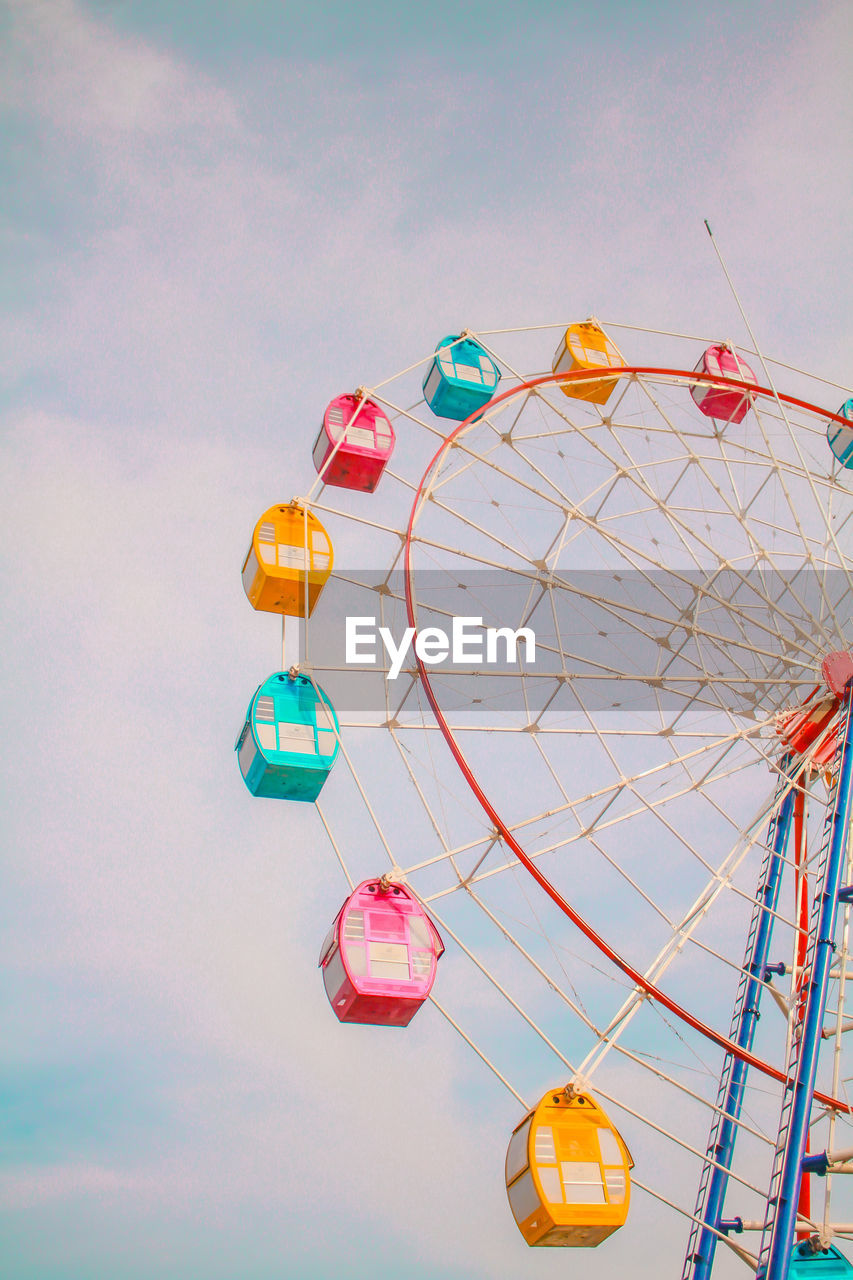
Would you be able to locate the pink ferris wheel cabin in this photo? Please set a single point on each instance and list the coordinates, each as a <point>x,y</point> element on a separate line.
<point>364,450</point>
<point>379,957</point>
<point>723,403</point>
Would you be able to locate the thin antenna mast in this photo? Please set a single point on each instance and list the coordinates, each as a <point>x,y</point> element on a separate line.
<point>768,375</point>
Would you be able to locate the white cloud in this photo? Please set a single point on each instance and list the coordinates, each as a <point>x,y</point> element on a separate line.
<point>89,80</point>
<point>31,1188</point>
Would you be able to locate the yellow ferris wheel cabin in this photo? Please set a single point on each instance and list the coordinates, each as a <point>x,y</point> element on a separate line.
<point>289,548</point>
<point>567,1173</point>
<point>586,346</point>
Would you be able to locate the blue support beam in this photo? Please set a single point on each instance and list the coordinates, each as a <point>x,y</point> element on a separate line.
<point>756,970</point>
<point>791,1144</point>
<point>816,1164</point>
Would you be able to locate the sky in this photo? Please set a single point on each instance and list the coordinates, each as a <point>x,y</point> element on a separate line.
<point>212,217</point>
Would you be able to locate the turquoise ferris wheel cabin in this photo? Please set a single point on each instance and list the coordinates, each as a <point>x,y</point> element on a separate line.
<point>840,437</point>
<point>461,378</point>
<point>813,1263</point>
<point>289,741</point>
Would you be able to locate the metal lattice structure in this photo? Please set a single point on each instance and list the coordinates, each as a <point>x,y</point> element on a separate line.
<point>684,578</point>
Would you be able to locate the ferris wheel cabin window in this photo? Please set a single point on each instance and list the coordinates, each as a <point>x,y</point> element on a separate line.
<point>295,737</point>
<point>327,739</point>
<point>523,1197</point>
<point>265,722</point>
<point>582,1182</point>
<point>516,1156</point>
<point>389,960</point>
<point>353,943</point>
<point>320,549</point>
<point>246,752</point>
<point>290,557</point>
<point>266,543</point>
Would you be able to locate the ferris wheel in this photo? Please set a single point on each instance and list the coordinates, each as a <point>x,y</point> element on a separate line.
<point>591,632</point>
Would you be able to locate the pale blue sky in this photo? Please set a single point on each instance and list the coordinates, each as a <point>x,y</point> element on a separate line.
<point>214,216</point>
